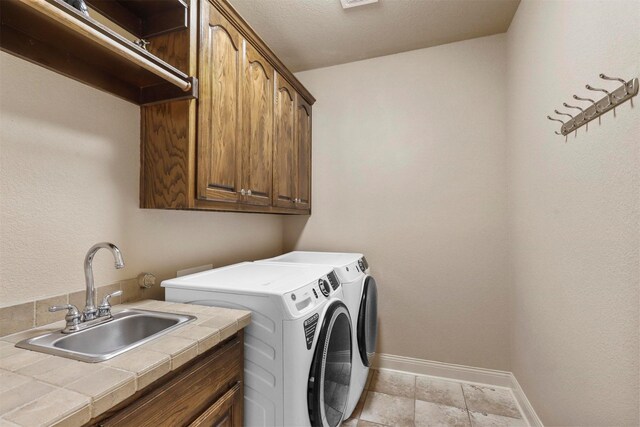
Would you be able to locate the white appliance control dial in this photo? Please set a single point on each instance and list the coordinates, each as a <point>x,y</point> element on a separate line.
<point>324,287</point>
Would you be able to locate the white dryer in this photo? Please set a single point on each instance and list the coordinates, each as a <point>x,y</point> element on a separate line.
<point>361,297</point>
<point>298,347</point>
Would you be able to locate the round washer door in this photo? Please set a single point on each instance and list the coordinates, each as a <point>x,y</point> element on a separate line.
<point>368,321</point>
<point>330,374</point>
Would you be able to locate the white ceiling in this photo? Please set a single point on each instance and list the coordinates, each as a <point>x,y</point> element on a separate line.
<point>309,34</point>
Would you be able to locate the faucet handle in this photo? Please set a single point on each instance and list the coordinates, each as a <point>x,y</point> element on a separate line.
<point>104,309</point>
<point>72,308</point>
<point>73,317</point>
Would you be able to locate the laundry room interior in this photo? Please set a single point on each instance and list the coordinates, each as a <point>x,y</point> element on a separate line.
<point>456,182</point>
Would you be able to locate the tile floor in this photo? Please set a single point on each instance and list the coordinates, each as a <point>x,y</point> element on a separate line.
<point>398,399</point>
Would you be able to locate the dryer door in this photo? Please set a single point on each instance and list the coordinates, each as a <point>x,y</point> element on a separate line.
<point>368,321</point>
<point>330,375</point>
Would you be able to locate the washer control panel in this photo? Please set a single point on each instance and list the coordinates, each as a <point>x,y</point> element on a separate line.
<point>309,296</point>
<point>333,279</point>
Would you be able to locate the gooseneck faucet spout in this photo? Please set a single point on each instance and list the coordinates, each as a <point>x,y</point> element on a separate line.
<point>90,311</point>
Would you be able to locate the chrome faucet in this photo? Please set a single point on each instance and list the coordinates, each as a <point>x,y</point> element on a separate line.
<point>90,311</point>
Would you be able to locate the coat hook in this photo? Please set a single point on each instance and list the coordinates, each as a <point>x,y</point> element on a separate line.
<point>562,114</point>
<point>595,105</point>
<point>602,76</point>
<point>584,115</point>
<point>572,106</point>
<point>600,90</point>
<point>556,120</point>
<point>584,99</point>
<point>624,84</point>
<point>573,124</point>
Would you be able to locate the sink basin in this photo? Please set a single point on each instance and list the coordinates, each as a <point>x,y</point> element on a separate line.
<point>127,330</point>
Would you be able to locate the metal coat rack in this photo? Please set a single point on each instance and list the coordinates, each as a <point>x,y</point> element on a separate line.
<point>611,100</point>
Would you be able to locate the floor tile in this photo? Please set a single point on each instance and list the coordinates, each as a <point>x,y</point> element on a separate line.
<point>388,410</point>
<point>491,420</point>
<point>439,391</point>
<point>351,422</point>
<point>490,400</point>
<point>393,383</point>
<point>363,423</point>
<point>432,414</point>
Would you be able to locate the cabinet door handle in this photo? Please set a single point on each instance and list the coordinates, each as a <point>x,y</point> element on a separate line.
<point>248,192</point>
<point>242,192</point>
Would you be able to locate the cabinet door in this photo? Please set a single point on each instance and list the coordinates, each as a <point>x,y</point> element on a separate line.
<point>257,123</point>
<point>225,412</point>
<point>220,67</point>
<point>284,145</point>
<point>188,395</point>
<point>303,153</point>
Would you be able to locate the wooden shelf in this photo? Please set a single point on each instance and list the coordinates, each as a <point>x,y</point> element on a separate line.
<point>56,36</point>
<point>144,18</point>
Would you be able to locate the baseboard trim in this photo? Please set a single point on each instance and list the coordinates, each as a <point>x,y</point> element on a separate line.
<point>462,373</point>
<point>525,405</point>
<point>445,370</point>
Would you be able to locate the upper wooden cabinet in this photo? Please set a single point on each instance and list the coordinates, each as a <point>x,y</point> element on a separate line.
<point>257,127</point>
<point>219,160</point>
<point>284,146</point>
<point>291,149</point>
<point>303,154</point>
<point>245,144</point>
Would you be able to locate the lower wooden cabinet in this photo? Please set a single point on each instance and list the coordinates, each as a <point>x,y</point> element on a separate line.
<point>207,391</point>
<point>227,411</point>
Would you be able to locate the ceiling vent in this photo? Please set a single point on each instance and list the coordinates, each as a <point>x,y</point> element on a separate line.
<point>346,4</point>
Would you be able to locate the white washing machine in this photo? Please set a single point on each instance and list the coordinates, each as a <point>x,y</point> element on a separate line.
<point>361,297</point>
<point>298,347</point>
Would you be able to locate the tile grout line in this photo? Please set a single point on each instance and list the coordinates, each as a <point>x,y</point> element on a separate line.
<point>415,396</point>
<point>464,397</point>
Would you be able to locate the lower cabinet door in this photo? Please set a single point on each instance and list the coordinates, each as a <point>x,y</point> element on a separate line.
<point>225,412</point>
<point>189,395</point>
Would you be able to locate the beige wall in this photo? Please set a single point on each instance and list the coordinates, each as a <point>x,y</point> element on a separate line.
<point>409,168</point>
<point>575,214</point>
<point>69,161</point>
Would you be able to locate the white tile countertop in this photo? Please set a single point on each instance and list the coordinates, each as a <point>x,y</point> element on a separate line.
<point>38,389</point>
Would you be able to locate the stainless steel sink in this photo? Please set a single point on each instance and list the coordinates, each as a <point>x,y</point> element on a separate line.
<point>128,329</point>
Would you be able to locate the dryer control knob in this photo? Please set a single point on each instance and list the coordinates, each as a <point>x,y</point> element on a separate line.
<point>324,287</point>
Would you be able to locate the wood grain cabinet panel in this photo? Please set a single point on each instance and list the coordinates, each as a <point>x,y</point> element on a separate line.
<point>257,123</point>
<point>226,412</point>
<point>219,149</point>
<point>284,172</point>
<point>303,154</point>
<point>208,391</point>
